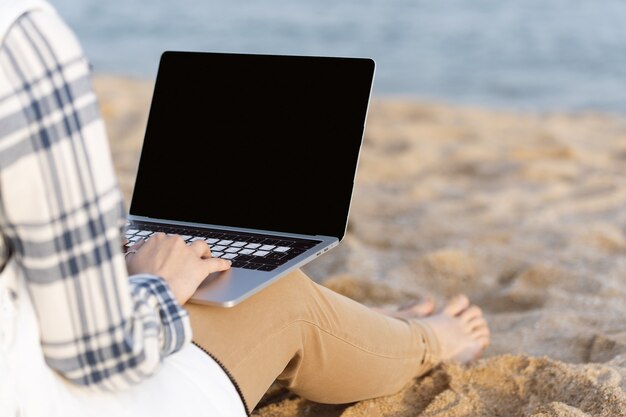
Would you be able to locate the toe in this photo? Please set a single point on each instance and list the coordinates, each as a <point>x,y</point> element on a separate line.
<point>471,313</point>
<point>456,305</point>
<point>484,342</point>
<point>476,322</point>
<point>479,353</point>
<point>482,336</point>
<point>423,309</point>
<point>480,331</point>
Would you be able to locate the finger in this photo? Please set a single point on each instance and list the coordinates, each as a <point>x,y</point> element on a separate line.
<point>217,264</point>
<point>174,238</point>
<point>201,248</point>
<point>138,244</point>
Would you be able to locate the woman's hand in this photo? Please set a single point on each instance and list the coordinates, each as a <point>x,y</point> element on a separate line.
<point>183,266</point>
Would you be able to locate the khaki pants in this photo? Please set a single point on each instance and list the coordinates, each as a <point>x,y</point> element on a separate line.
<point>319,344</point>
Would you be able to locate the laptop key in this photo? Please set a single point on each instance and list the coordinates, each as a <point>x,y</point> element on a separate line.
<point>292,254</point>
<point>267,267</point>
<point>232,250</point>
<point>237,264</point>
<point>229,256</point>
<point>131,231</point>
<point>251,265</point>
<point>269,261</point>
<point>238,244</point>
<point>246,251</point>
<point>216,254</point>
<point>267,247</point>
<point>260,253</point>
<point>225,242</point>
<point>211,240</point>
<point>144,233</point>
<point>304,245</point>
<point>281,249</point>
<point>218,248</point>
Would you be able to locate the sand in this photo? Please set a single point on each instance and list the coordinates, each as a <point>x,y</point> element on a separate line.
<point>524,212</point>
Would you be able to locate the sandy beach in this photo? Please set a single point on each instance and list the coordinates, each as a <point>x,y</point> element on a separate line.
<point>524,212</point>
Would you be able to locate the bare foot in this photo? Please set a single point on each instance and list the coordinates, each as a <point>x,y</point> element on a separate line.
<point>461,329</point>
<point>411,310</point>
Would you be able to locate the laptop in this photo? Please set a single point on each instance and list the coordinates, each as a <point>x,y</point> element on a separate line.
<point>254,154</point>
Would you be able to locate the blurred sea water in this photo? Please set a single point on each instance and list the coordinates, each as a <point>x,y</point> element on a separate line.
<point>514,54</point>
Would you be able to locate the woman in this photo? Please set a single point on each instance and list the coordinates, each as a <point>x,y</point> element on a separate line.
<point>87,331</point>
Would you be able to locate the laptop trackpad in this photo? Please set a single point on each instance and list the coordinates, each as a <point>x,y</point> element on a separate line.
<point>228,287</point>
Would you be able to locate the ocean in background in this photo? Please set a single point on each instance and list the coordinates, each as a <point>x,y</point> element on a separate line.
<point>514,54</point>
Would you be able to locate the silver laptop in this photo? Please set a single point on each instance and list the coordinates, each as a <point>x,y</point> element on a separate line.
<point>254,154</point>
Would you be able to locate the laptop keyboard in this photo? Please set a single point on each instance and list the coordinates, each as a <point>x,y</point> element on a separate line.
<point>245,250</point>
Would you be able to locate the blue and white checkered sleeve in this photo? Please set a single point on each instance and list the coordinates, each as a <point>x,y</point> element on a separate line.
<point>157,295</point>
<point>60,209</point>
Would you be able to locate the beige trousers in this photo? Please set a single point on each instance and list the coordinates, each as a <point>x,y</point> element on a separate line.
<point>319,344</point>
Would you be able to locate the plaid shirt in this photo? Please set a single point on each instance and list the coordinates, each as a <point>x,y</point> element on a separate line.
<point>61,215</point>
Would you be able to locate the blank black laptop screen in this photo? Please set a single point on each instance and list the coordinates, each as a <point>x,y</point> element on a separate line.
<point>254,141</point>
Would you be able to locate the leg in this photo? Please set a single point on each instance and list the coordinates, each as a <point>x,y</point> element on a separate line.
<point>321,345</point>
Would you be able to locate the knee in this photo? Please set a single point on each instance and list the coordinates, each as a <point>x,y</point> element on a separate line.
<point>297,278</point>
<point>299,293</point>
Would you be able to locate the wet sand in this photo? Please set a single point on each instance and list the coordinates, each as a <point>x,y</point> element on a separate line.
<point>524,212</point>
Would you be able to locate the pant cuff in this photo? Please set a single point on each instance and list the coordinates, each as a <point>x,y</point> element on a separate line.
<point>432,354</point>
